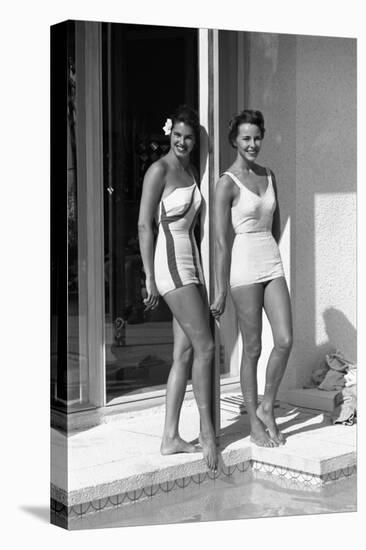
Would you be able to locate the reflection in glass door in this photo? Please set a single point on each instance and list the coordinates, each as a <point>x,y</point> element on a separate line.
<point>147,72</point>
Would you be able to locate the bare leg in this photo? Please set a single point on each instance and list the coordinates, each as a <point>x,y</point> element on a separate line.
<point>248,301</point>
<point>191,312</point>
<point>175,390</point>
<point>277,306</point>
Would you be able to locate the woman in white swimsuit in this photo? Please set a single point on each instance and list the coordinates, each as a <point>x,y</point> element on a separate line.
<point>246,196</point>
<point>171,197</point>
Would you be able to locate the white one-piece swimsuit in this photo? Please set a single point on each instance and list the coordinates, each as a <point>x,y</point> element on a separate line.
<point>176,260</point>
<point>255,255</point>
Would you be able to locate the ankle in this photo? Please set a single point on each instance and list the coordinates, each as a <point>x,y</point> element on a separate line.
<point>266,407</point>
<point>207,430</point>
<point>167,436</point>
<point>255,422</point>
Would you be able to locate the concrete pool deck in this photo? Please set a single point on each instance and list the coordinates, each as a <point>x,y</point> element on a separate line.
<point>122,455</point>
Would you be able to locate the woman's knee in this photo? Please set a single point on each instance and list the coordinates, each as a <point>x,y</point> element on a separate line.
<point>253,350</point>
<point>183,357</point>
<point>283,342</point>
<point>205,350</point>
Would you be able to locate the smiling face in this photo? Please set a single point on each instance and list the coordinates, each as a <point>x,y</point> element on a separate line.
<point>182,139</point>
<point>248,141</point>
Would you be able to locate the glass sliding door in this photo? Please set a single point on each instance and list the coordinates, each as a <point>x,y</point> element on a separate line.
<point>77,363</point>
<point>147,72</point>
<point>118,83</point>
<point>69,368</point>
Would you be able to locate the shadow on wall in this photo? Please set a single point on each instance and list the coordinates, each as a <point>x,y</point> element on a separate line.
<point>341,334</point>
<point>342,337</point>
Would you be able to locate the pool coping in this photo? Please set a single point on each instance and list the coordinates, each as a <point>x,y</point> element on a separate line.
<point>62,514</point>
<point>147,485</point>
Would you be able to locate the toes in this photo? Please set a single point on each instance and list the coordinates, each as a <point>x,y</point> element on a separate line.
<point>281,439</point>
<point>211,461</point>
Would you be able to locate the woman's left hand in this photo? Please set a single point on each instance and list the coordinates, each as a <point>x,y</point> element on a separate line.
<point>152,299</point>
<point>218,307</point>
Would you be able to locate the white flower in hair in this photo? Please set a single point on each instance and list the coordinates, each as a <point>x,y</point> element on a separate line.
<point>168,126</point>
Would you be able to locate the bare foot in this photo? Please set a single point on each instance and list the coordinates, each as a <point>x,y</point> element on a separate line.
<point>208,444</point>
<point>268,419</point>
<point>170,446</point>
<point>259,436</point>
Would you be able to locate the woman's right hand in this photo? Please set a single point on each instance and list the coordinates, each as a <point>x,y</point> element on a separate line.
<point>218,307</point>
<point>152,299</point>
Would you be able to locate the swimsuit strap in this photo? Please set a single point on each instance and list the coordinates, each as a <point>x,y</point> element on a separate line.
<point>234,178</point>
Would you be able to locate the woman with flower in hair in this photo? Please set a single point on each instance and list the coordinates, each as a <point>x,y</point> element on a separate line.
<point>171,197</point>
<point>246,198</point>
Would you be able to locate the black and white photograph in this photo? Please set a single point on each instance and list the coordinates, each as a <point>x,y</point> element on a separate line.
<point>203,224</point>
<point>189,280</point>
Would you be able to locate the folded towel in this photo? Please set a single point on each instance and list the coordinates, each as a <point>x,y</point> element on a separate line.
<point>350,377</point>
<point>338,368</point>
<point>318,374</point>
<point>333,372</point>
<point>334,380</point>
<point>336,361</point>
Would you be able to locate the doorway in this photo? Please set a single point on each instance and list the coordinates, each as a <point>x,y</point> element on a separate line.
<point>147,72</point>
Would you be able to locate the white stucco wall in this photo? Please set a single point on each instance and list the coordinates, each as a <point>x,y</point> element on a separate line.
<point>324,262</point>
<point>306,88</point>
<point>335,276</point>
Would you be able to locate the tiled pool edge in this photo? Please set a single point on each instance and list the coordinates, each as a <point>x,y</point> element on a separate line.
<point>303,478</point>
<point>62,512</point>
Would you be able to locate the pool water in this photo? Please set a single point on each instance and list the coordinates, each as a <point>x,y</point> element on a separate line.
<point>239,496</point>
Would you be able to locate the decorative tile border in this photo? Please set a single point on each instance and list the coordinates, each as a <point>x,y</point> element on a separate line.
<point>339,474</point>
<point>291,479</point>
<point>285,473</point>
<point>299,478</point>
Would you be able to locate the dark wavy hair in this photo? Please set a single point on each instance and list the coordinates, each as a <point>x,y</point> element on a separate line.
<point>185,113</point>
<point>246,116</point>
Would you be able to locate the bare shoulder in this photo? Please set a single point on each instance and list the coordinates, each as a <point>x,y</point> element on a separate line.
<point>225,184</point>
<point>154,179</point>
<point>226,189</point>
<point>157,170</point>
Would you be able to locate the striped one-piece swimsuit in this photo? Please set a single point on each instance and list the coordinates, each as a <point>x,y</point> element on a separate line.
<point>176,260</point>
